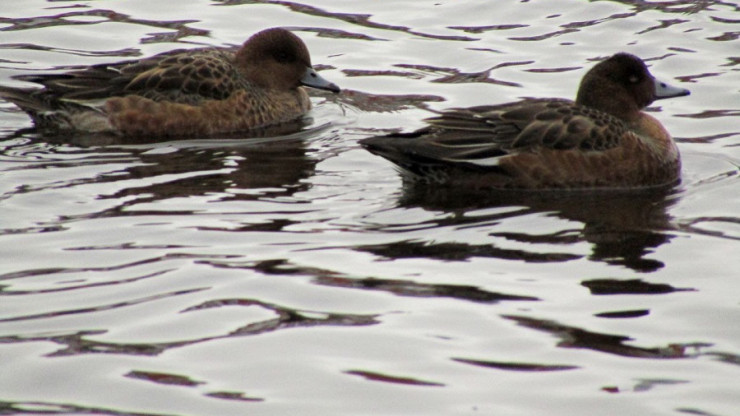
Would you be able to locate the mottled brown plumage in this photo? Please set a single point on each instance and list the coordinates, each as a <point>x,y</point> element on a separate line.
<point>602,140</point>
<point>181,92</point>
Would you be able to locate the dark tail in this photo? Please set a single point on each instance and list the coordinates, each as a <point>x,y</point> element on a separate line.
<point>30,100</point>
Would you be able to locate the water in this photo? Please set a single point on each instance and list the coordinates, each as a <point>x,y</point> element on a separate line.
<point>298,276</point>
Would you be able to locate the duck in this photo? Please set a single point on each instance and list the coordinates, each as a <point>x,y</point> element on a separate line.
<point>602,140</point>
<point>183,92</point>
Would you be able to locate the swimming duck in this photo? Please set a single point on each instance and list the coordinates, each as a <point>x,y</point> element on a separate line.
<point>601,141</point>
<point>179,93</point>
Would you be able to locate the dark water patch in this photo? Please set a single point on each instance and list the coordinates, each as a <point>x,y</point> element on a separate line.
<point>512,366</point>
<point>624,314</point>
<point>52,408</point>
<point>573,337</point>
<point>393,379</point>
<point>629,287</point>
<point>460,252</point>
<point>164,378</point>
<point>233,395</point>
<point>414,289</point>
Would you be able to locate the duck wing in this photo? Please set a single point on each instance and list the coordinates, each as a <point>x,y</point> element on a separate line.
<point>186,76</point>
<point>482,136</point>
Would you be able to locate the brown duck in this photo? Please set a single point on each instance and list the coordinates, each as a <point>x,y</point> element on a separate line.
<point>601,141</point>
<point>179,93</point>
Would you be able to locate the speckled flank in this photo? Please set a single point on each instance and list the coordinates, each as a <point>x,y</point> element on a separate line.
<point>135,115</point>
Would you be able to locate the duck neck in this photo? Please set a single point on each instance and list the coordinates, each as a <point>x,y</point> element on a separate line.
<point>608,99</point>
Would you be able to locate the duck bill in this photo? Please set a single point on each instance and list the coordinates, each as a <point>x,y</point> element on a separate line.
<point>664,90</point>
<point>314,80</point>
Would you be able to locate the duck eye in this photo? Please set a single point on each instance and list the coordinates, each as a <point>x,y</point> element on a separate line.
<point>633,79</point>
<point>282,57</point>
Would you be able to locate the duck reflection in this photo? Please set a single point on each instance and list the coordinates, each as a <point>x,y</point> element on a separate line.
<point>623,228</point>
<point>265,165</point>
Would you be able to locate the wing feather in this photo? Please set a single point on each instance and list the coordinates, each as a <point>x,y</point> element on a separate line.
<point>480,136</point>
<point>186,76</point>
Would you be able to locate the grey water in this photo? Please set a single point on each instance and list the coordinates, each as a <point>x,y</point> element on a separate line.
<point>298,275</point>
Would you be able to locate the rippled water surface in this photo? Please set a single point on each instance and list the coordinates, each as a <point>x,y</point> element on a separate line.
<point>296,274</point>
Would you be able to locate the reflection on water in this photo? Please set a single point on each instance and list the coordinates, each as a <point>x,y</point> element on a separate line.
<point>623,228</point>
<point>294,273</point>
<point>631,286</point>
<point>613,344</point>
